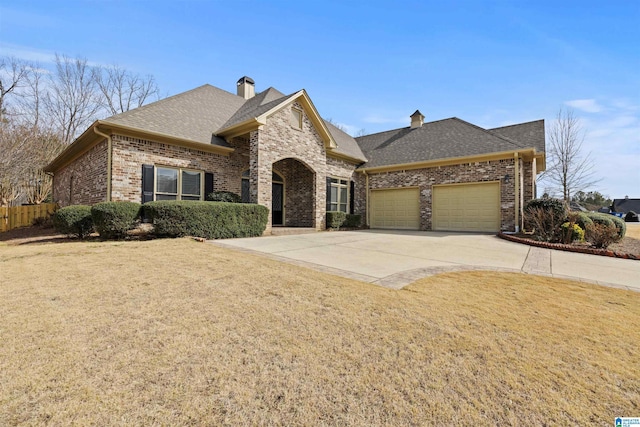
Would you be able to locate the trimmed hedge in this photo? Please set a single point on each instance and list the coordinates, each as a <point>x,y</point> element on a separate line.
<point>74,220</point>
<point>113,219</point>
<point>607,219</point>
<point>209,220</point>
<point>580,218</point>
<point>335,219</point>
<point>223,196</point>
<point>353,221</point>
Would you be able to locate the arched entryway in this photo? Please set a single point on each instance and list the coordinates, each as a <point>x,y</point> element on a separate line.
<point>292,194</point>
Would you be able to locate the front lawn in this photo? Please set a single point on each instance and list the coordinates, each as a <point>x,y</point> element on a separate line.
<point>175,332</point>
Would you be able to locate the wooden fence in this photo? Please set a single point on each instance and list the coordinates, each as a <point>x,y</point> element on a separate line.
<point>23,216</point>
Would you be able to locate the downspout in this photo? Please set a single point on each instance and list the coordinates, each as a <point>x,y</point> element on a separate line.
<point>109,159</point>
<point>517,190</point>
<point>366,197</point>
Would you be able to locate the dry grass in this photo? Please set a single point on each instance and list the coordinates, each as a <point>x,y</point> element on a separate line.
<point>633,230</point>
<point>174,332</point>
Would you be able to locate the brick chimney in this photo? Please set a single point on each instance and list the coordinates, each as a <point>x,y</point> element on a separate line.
<point>417,119</point>
<point>246,87</point>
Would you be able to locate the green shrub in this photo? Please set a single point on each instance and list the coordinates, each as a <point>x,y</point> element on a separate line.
<point>113,219</point>
<point>353,221</point>
<point>580,218</point>
<point>607,219</point>
<point>74,220</point>
<point>544,217</point>
<point>572,232</point>
<point>335,219</point>
<point>210,220</point>
<point>223,196</point>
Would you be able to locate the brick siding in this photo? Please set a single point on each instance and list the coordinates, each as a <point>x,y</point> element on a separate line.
<point>83,181</point>
<point>129,154</point>
<point>425,178</point>
<point>278,140</point>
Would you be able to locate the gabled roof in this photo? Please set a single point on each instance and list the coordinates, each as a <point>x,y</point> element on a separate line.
<point>442,139</point>
<point>254,107</point>
<point>347,144</point>
<point>530,134</point>
<point>626,205</point>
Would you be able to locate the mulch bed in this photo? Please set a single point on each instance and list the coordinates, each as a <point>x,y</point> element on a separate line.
<point>628,248</point>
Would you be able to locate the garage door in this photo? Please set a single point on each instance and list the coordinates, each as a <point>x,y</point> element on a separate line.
<point>466,207</point>
<point>399,208</point>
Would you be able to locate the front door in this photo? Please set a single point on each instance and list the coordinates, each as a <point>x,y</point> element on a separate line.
<point>277,198</point>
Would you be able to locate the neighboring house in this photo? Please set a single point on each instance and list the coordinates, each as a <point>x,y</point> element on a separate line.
<point>626,205</point>
<point>276,150</point>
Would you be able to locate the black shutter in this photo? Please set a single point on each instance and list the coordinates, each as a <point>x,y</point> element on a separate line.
<point>328,194</point>
<point>208,184</point>
<point>147,183</point>
<point>352,197</point>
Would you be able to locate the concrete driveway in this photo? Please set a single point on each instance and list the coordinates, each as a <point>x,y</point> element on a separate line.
<point>397,258</point>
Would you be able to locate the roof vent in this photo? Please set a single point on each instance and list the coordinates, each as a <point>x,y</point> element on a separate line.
<point>417,119</point>
<point>246,87</point>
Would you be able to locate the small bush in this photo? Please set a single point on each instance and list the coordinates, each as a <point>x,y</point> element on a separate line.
<point>572,232</point>
<point>113,219</point>
<point>602,234</point>
<point>581,219</point>
<point>606,219</point>
<point>335,219</point>
<point>544,217</point>
<point>223,196</point>
<point>74,220</point>
<point>631,216</point>
<point>43,221</point>
<point>353,221</point>
<point>210,220</point>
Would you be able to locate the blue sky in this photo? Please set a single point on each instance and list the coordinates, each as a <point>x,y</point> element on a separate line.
<point>370,64</point>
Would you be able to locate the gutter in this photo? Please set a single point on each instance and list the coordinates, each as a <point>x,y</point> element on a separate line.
<point>109,159</point>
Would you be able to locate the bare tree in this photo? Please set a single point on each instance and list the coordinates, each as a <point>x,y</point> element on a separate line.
<point>71,98</point>
<point>13,74</point>
<point>122,90</point>
<point>31,103</point>
<point>569,169</point>
<point>360,132</point>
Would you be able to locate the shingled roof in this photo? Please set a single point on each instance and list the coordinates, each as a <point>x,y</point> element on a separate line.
<point>530,134</point>
<point>199,114</point>
<point>442,139</point>
<point>193,115</point>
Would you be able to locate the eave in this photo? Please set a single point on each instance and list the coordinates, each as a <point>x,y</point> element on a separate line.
<point>345,157</point>
<point>89,139</point>
<point>527,154</point>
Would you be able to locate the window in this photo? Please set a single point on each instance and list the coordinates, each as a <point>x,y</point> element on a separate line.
<point>296,118</point>
<point>178,184</point>
<point>245,189</point>
<point>339,195</point>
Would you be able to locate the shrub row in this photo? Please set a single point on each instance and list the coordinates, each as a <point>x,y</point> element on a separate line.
<point>337,219</point>
<point>210,220</point>
<point>552,222</point>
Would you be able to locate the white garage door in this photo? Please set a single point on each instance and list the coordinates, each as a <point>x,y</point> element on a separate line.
<point>466,207</point>
<point>396,209</point>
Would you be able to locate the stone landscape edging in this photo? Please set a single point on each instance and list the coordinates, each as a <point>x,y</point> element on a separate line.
<point>568,248</point>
